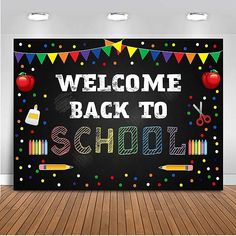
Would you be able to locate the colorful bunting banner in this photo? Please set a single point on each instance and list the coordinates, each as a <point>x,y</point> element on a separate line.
<point>30,57</point>
<point>52,57</point>
<point>178,56</point>
<point>203,57</point>
<point>63,56</point>
<point>74,56</point>
<point>190,57</point>
<point>131,50</point>
<point>155,54</point>
<point>143,52</point>
<point>166,55</point>
<point>41,57</point>
<point>107,50</point>
<point>215,56</point>
<point>85,54</point>
<point>96,52</point>
<point>18,55</point>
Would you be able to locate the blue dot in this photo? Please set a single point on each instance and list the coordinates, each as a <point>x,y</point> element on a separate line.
<point>216,159</point>
<point>210,67</point>
<point>84,44</point>
<point>44,122</point>
<point>189,105</point>
<point>45,45</point>
<point>135,178</point>
<point>185,48</point>
<point>24,100</point>
<point>93,62</point>
<point>33,159</point>
<point>46,109</point>
<point>30,177</point>
<point>74,183</point>
<point>214,98</point>
<point>16,135</point>
<point>214,127</point>
<point>190,123</point>
<point>173,175</point>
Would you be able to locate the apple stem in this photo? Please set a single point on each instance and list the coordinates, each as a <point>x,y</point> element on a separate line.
<point>214,71</point>
<point>22,73</point>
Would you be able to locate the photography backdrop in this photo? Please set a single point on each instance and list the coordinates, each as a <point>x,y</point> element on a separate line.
<point>118,114</point>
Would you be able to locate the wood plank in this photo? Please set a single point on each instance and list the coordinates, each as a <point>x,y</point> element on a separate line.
<point>113,214</point>
<point>129,214</point>
<point>121,213</point>
<point>104,228</point>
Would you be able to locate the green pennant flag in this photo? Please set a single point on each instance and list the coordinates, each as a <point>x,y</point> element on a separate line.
<point>143,52</point>
<point>107,50</point>
<point>41,57</point>
<point>215,56</point>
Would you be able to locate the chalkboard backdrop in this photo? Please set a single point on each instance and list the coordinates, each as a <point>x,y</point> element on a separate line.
<point>122,114</point>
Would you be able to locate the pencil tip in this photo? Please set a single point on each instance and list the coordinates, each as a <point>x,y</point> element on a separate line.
<point>71,167</point>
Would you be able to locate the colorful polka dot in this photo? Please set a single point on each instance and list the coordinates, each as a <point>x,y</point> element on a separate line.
<point>181,185</point>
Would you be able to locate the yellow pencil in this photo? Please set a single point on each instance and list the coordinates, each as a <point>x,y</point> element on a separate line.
<point>40,148</point>
<point>199,147</point>
<point>192,147</point>
<point>177,167</point>
<point>55,167</point>
<point>33,147</point>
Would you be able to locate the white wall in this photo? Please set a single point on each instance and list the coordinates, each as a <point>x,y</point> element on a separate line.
<point>6,138</point>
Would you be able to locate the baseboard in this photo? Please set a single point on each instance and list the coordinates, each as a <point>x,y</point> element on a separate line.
<point>7,179</point>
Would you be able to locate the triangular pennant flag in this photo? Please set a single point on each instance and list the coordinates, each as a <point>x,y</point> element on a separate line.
<point>85,54</point>
<point>74,56</point>
<point>41,57</point>
<point>18,56</point>
<point>131,50</point>
<point>122,48</point>
<point>143,52</point>
<point>178,56</point>
<point>30,57</point>
<point>107,50</point>
<point>215,56</point>
<point>117,46</point>
<point>52,57</point>
<point>96,52</point>
<point>154,54</point>
<point>108,42</point>
<point>203,57</point>
<point>166,55</point>
<point>63,56</point>
<point>190,56</point>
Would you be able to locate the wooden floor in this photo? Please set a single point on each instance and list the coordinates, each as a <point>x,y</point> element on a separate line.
<point>111,212</point>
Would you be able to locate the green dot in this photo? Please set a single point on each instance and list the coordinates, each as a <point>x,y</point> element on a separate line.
<point>166,44</point>
<point>209,177</point>
<point>188,113</point>
<point>53,44</point>
<point>165,180</point>
<point>157,63</point>
<point>216,114</point>
<point>37,171</point>
<point>34,95</point>
<point>96,176</point>
<point>120,185</point>
<point>20,149</point>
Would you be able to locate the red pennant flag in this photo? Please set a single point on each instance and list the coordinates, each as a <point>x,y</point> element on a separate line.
<point>122,48</point>
<point>74,55</point>
<point>178,56</point>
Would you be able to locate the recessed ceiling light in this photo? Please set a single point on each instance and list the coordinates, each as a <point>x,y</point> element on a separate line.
<point>197,16</point>
<point>117,16</point>
<point>38,16</point>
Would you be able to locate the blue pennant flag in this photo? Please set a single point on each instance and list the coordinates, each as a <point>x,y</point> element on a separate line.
<point>30,57</point>
<point>154,54</point>
<point>96,52</point>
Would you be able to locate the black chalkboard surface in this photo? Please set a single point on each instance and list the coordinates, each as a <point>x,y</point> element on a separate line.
<point>118,114</point>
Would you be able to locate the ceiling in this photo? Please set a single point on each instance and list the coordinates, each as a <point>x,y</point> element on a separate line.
<point>147,17</point>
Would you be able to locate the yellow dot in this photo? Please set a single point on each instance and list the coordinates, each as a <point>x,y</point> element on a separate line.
<point>215,107</point>
<point>151,175</point>
<point>134,185</point>
<point>191,180</point>
<point>21,128</point>
<point>114,62</point>
<point>81,63</point>
<point>54,174</point>
<point>203,160</point>
<point>86,185</point>
<point>74,46</point>
<point>199,68</point>
<point>126,175</point>
<point>206,129</point>
<point>17,158</point>
<point>173,44</point>
<point>199,172</point>
<point>42,180</point>
<point>181,185</point>
<point>20,167</point>
<point>216,143</point>
<point>18,121</point>
<point>29,45</point>
<point>217,91</point>
<point>45,95</point>
<point>206,45</point>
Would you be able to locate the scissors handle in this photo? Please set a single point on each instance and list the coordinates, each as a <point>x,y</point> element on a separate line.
<point>199,121</point>
<point>206,118</point>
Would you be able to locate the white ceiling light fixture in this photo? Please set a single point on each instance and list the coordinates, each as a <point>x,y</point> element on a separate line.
<point>38,16</point>
<point>197,16</point>
<point>117,16</point>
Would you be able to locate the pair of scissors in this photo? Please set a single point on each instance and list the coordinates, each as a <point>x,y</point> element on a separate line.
<point>202,118</point>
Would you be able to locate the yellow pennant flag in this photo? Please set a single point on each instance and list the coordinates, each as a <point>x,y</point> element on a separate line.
<point>190,57</point>
<point>117,46</point>
<point>131,50</point>
<point>108,42</point>
<point>52,57</point>
<point>203,57</point>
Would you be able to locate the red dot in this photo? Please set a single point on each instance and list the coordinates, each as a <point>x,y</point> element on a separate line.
<point>20,110</point>
<point>43,161</point>
<point>99,183</point>
<point>214,46</point>
<point>192,162</point>
<point>213,183</point>
<point>159,184</point>
<point>190,97</point>
<point>32,131</point>
<point>112,177</point>
<point>202,135</point>
<point>104,64</point>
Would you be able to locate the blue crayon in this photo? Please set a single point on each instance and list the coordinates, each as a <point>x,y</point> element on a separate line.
<point>205,147</point>
<point>45,147</point>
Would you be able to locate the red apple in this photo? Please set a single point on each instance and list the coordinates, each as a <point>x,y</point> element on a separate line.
<point>211,80</point>
<point>24,82</point>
